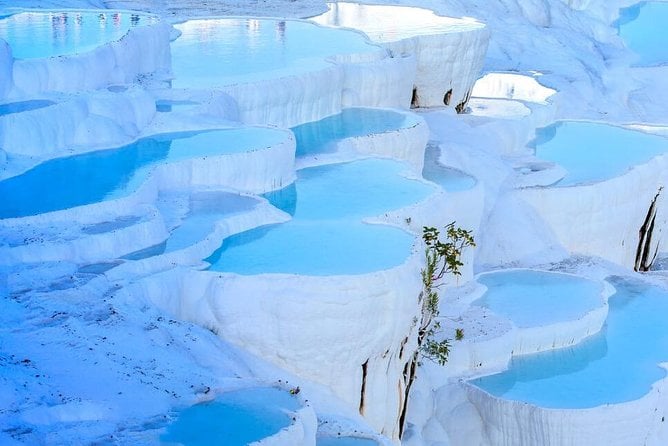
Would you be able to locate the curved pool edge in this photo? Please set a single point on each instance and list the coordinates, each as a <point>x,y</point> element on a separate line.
<point>518,423</point>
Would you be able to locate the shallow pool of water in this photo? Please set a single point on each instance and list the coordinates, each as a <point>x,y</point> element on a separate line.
<point>219,52</point>
<point>46,34</point>
<point>315,248</point>
<point>317,137</point>
<point>23,106</point>
<point>451,180</point>
<point>618,364</point>
<point>235,418</point>
<point>534,298</point>
<point>593,152</point>
<point>643,28</point>
<point>84,179</point>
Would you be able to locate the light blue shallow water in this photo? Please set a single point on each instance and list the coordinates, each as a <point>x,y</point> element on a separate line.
<point>235,418</point>
<point>617,365</point>
<point>84,179</point>
<point>217,52</point>
<point>534,298</point>
<point>316,137</point>
<point>364,188</point>
<point>593,152</point>
<point>23,106</point>
<point>326,235</point>
<point>315,248</point>
<point>449,179</point>
<point>47,34</point>
<point>643,28</point>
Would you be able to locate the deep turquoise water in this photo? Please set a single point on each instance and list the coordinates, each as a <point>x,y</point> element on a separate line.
<point>317,136</point>
<point>593,152</point>
<point>643,28</point>
<point>218,52</point>
<point>88,178</point>
<point>534,298</point>
<point>618,364</point>
<point>235,418</point>
<point>47,34</point>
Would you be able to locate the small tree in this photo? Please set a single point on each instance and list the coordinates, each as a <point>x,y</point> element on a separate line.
<point>441,258</point>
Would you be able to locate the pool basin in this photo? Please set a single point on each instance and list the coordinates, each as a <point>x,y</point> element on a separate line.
<point>617,365</point>
<point>642,26</point>
<point>592,152</point>
<point>234,418</point>
<point>42,34</point>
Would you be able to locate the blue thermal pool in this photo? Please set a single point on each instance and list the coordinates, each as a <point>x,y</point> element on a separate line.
<point>205,209</point>
<point>593,152</point>
<point>23,106</point>
<point>643,28</point>
<point>318,136</point>
<point>326,235</point>
<point>451,180</point>
<point>84,179</point>
<point>388,23</point>
<point>314,248</point>
<point>344,441</point>
<point>47,34</point>
<point>534,298</point>
<point>235,418</point>
<point>618,364</point>
<point>364,188</point>
<point>219,52</point>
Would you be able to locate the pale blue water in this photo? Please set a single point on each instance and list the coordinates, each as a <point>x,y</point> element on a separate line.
<point>315,248</point>
<point>217,52</point>
<point>84,179</point>
<point>166,106</point>
<point>593,152</point>
<point>534,298</point>
<point>47,34</point>
<point>344,441</point>
<point>316,137</point>
<point>643,28</point>
<point>205,211</point>
<point>362,188</point>
<point>23,106</point>
<point>617,365</point>
<point>326,235</point>
<point>235,418</point>
<point>449,179</point>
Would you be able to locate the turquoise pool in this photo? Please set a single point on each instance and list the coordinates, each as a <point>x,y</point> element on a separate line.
<point>533,298</point>
<point>219,52</point>
<point>317,137</point>
<point>47,34</point>
<point>235,418</point>
<point>79,180</point>
<point>643,28</point>
<point>326,235</point>
<point>618,364</point>
<point>314,248</point>
<point>593,152</point>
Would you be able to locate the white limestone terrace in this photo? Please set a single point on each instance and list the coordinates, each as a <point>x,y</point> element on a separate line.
<point>448,51</point>
<point>571,42</point>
